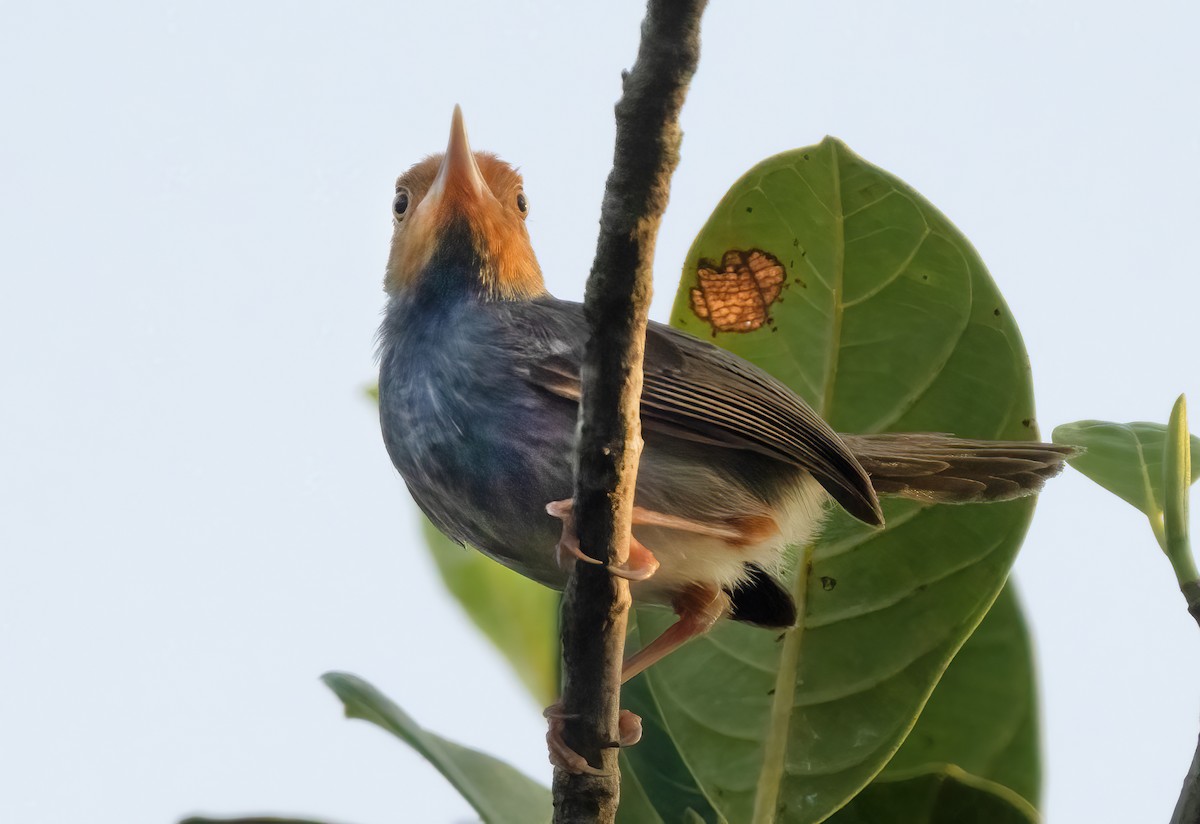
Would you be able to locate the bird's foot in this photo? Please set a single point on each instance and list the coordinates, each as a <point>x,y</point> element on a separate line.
<point>641,563</point>
<point>629,732</point>
<point>567,551</point>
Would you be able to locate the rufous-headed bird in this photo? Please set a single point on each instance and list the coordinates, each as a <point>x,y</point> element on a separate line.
<point>479,389</point>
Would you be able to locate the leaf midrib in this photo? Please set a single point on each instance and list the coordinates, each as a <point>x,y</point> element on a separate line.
<point>766,794</point>
<point>839,273</point>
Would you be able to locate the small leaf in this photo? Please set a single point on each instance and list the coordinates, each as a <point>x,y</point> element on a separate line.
<point>500,793</point>
<point>1177,478</point>
<point>942,794</point>
<point>1127,460</point>
<point>516,614</point>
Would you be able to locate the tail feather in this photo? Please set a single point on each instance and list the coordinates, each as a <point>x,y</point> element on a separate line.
<point>944,469</point>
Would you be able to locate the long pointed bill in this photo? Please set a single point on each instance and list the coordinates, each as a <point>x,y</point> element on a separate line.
<point>458,179</point>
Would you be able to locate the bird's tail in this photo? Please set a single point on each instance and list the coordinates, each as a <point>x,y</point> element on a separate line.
<point>944,469</point>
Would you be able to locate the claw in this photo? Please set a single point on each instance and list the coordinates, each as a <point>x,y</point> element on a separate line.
<point>567,551</point>
<point>629,730</point>
<point>562,756</point>
<point>640,566</point>
<point>629,725</point>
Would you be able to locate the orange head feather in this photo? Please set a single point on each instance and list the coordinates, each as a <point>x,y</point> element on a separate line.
<point>474,187</point>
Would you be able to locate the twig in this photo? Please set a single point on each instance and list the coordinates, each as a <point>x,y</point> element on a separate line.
<point>596,604</point>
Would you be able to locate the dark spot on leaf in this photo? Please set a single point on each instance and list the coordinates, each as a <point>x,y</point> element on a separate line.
<point>749,209</point>
<point>996,311</point>
<point>771,691</point>
<point>924,277</point>
<point>782,635</point>
<point>735,295</point>
<point>796,242</point>
<point>828,583</point>
<point>1026,423</point>
<point>806,156</point>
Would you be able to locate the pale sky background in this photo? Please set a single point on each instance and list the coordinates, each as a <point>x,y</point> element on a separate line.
<point>197,516</point>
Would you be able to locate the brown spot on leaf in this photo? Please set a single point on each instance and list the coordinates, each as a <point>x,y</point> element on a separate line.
<point>828,583</point>
<point>734,296</point>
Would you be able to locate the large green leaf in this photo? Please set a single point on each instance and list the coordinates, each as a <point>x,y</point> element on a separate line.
<point>941,794</point>
<point>1125,458</point>
<point>654,771</point>
<point>982,718</point>
<point>983,715</point>
<point>500,793</point>
<point>518,615</point>
<point>888,321</point>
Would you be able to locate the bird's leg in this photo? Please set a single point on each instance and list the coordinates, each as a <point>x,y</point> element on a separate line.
<point>698,607</point>
<point>640,566</point>
<point>629,732</point>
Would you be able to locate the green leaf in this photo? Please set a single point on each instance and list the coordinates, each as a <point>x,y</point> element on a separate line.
<point>664,783</point>
<point>982,718</point>
<point>1127,460</point>
<point>888,321</point>
<point>1124,458</point>
<point>500,793</point>
<point>518,615</point>
<point>937,795</point>
<point>983,715</point>
<point>1177,478</point>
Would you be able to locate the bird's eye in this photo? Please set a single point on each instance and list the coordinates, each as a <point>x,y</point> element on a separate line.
<point>522,203</point>
<point>400,204</point>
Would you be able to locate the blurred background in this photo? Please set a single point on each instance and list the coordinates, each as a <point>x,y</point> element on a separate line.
<point>197,516</point>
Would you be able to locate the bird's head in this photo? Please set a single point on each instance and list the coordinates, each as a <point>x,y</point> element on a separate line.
<point>459,223</point>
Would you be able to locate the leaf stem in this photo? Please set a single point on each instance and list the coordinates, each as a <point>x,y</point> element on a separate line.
<point>1177,474</point>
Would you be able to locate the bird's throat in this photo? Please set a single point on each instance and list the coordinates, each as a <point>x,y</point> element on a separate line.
<point>466,263</point>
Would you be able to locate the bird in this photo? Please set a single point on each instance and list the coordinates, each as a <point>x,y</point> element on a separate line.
<point>479,386</point>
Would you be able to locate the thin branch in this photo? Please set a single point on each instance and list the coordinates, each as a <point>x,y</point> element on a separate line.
<point>1187,808</point>
<point>596,604</point>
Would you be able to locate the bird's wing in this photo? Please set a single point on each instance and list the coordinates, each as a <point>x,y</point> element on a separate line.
<point>699,392</point>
